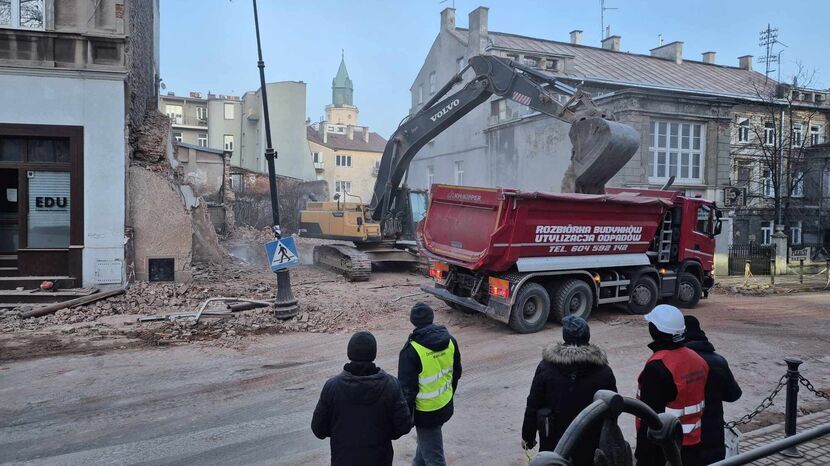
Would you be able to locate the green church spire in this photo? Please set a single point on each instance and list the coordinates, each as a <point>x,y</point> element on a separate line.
<point>342,90</point>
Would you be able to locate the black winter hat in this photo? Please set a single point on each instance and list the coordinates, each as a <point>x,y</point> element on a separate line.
<point>421,315</point>
<point>362,347</point>
<point>575,331</point>
<point>693,330</point>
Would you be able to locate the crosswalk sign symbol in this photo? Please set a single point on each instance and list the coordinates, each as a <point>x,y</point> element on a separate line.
<point>282,253</point>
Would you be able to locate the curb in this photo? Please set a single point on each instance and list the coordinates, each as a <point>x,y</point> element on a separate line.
<point>780,426</point>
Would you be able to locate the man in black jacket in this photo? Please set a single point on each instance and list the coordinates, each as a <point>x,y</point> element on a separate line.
<point>565,382</point>
<point>720,386</point>
<point>362,409</point>
<point>429,367</point>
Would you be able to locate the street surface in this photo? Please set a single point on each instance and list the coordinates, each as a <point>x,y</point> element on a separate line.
<point>199,403</point>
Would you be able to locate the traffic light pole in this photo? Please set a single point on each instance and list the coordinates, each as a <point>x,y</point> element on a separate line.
<point>285,305</point>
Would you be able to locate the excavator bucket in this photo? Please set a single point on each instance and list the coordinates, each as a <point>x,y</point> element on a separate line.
<point>600,149</point>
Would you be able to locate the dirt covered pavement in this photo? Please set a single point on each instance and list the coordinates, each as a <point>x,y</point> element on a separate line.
<point>242,389</point>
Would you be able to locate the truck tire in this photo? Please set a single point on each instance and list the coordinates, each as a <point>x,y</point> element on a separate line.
<point>530,309</point>
<point>573,298</point>
<point>688,291</point>
<point>642,295</point>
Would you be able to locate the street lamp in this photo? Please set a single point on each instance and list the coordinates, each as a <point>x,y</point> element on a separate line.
<point>285,305</point>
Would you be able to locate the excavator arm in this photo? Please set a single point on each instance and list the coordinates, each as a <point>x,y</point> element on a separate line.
<point>601,145</point>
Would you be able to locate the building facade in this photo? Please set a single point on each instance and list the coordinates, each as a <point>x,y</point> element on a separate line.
<point>685,111</point>
<point>345,154</point>
<point>75,78</point>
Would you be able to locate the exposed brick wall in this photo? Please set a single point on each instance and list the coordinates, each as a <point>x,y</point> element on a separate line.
<point>141,79</point>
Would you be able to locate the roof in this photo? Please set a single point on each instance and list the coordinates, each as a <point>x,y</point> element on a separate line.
<point>341,79</point>
<point>201,148</point>
<point>636,70</point>
<point>342,142</point>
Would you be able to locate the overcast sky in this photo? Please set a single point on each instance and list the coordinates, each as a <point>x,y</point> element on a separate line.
<point>209,45</point>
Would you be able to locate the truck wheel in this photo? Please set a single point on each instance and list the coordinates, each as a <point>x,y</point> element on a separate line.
<point>642,295</point>
<point>573,298</point>
<point>688,291</point>
<point>531,308</point>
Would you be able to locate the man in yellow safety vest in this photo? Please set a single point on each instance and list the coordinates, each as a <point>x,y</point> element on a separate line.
<point>428,370</point>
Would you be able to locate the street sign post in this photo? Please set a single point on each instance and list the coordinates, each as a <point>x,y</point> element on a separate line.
<point>282,253</point>
<point>801,254</point>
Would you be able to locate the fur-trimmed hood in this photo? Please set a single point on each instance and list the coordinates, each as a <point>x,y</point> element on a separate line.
<point>566,355</point>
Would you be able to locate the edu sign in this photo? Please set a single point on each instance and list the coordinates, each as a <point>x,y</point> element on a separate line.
<point>51,202</point>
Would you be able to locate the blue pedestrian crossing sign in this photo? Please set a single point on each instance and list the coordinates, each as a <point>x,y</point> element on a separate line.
<point>282,253</point>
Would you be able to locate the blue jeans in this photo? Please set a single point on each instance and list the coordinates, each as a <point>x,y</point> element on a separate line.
<point>430,450</point>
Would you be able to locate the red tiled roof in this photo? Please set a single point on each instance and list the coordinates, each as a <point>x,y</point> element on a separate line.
<point>342,142</point>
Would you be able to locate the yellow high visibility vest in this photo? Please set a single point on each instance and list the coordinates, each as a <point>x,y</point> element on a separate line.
<point>435,378</point>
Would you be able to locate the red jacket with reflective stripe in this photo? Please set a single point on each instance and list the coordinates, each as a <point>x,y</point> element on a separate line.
<point>689,372</point>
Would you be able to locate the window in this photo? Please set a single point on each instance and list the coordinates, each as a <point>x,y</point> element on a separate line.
<point>743,172</point>
<point>795,232</point>
<point>228,142</point>
<point>174,112</point>
<point>676,150</point>
<point>704,220</point>
<point>459,173</point>
<point>459,64</point>
<point>177,135</point>
<point>797,135</point>
<point>228,111</point>
<point>201,139</point>
<point>552,64</point>
<point>513,56</point>
<point>815,135</point>
<point>798,184</point>
<point>430,176</point>
<point>532,62</point>
<point>201,113</point>
<point>315,157</point>
<point>343,187</point>
<point>498,109</point>
<point>432,83</point>
<point>23,14</point>
<point>420,94</point>
<point>343,160</point>
<point>236,182</point>
<point>743,130</point>
<point>766,232</point>
<point>767,188</point>
<point>769,133</point>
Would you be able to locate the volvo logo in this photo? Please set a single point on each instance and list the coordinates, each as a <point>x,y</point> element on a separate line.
<point>445,110</point>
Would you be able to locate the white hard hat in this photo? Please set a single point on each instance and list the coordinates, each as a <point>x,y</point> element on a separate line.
<point>667,319</point>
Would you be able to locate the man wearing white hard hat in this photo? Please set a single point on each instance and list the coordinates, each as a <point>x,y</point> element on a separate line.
<point>672,381</point>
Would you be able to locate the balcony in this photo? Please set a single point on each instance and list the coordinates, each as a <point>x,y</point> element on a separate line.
<point>60,50</point>
<point>319,166</point>
<point>190,121</point>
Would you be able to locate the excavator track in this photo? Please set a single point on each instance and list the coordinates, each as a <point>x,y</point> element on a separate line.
<point>346,260</point>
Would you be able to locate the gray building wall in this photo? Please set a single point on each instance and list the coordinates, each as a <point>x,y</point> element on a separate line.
<point>218,127</point>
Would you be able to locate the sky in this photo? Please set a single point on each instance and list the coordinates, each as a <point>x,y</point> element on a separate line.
<point>210,45</point>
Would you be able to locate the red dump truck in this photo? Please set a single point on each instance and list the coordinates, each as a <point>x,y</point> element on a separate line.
<point>524,258</point>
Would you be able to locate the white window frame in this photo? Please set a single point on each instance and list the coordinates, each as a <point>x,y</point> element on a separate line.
<point>798,186</point>
<point>743,130</point>
<point>228,142</point>
<point>767,186</point>
<point>815,135</point>
<point>201,113</point>
<point>459,173</point>
<point>766,233</point>
<point>343,186</point>
<point>769,133</point>
<point>315,157</point>
<point>342,160</point>
<point>430,176</point>
<point>177,135</point>
<point>795,233</point>
<point>797,135</point>
<point>670,149</point>
<point>14,17</point>
<point>420,94</point>
<point>202,139</point>
<point>432,83</point>
<point>174,112</point>
<point>229,111</point>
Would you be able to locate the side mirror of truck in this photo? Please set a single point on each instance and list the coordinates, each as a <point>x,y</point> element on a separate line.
<point>718,223</point>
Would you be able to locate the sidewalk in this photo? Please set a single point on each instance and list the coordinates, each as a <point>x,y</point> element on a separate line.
<point>816,452</point>
<point>783,283</point>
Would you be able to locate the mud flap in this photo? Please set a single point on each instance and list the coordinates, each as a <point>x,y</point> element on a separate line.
<point>600,149</point>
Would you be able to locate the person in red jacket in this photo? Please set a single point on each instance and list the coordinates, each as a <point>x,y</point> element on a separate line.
<point>672,381</point>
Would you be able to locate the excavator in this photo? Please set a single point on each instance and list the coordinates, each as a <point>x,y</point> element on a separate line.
<point>384,230</point>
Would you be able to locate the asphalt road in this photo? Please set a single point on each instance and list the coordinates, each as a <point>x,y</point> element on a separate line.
<point>201,404</point>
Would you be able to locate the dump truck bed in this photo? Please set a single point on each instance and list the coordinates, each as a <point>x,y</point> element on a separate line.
<point>494,229</point>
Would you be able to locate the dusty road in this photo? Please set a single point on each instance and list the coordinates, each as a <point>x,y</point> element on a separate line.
<point>203,404</point>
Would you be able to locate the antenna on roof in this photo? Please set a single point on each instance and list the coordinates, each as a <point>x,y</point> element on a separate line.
<point>604,33</point>
<point>445,1</point>
<point>768,38</point>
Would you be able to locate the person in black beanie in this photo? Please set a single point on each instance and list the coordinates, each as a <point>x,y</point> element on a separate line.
<point>720,386</point>
<point>362,409</point>
<point>429,367</point>
<point>565,382</point>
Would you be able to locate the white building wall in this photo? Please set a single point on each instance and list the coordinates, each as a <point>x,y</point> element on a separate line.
<point>97,104</point>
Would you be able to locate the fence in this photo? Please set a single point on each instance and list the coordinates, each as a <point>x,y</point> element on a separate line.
<point>759,258</point>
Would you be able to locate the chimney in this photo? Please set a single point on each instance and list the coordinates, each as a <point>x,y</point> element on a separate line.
<point>709,58</point>
<point>366,134</point>
<point>576,37</point>
<point>478,29</point>
<point>611,43</point>
<point>745,62</point>
<point>672,51</point>
<point>448,19</point>
<point>350,132</point>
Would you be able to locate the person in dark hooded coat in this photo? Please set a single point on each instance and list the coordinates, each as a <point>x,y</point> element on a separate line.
<point>429,391</point>
<point>362,409</point>
<point>720,386</point>
<point>565,382</point>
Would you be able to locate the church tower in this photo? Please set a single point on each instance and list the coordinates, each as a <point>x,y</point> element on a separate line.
<point>342,110</point>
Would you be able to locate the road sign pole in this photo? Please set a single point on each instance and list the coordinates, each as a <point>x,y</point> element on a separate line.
<point>285,305</point>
